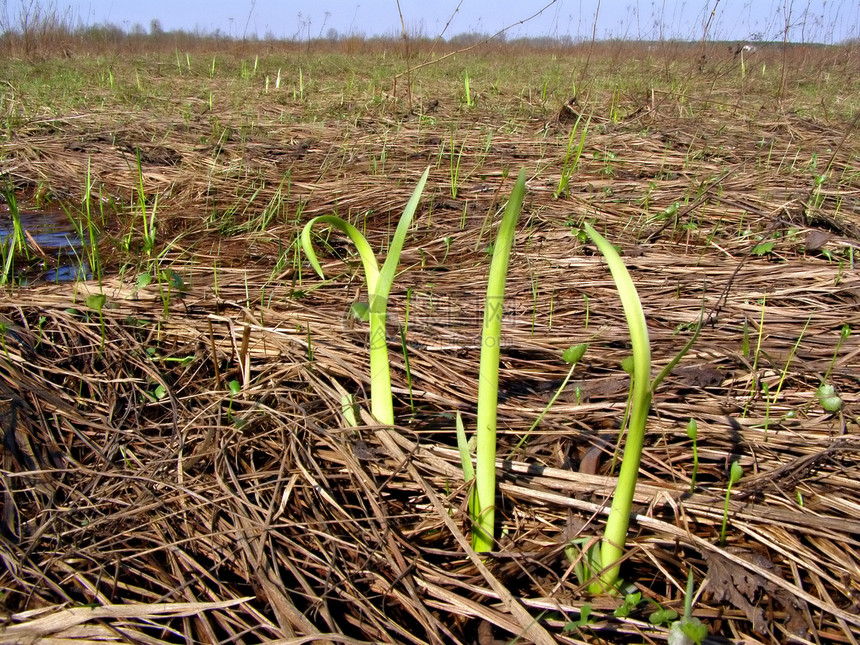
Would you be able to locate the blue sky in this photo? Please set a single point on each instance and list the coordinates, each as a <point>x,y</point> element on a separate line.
<point>811,20</point>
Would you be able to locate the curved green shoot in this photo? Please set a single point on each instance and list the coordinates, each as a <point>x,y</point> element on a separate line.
<point>379,283</point>
<point>612,546</point>
<point>488,386</point>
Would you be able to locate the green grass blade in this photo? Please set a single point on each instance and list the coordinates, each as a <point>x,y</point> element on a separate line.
<point>389,268</point>
<point>488,385</point>
<point>463,448</point>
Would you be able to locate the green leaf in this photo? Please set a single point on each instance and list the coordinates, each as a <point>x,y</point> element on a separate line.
<point>694,629</point>
<point>663,616</point>
<point>627,365</point>
<point>235,387</point>
<point>762,248</point>
<point>736,472</point>
<point>174,279</point>
<point>692,429</point>
<point>463,448</point>
<point>143,280</point>
<point>574,353</point>
<point>830,400</point>
<point>631,600</point>
<point>671,210</point>
<point>360,311</point>
<point>582,621</point>
<point>160,392</point>
<point>96,301</point>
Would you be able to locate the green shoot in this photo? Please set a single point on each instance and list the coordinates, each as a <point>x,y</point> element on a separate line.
<point>693,433</point>
<point>92,249</point>
<point>735,474</point>
<point>148,224</point>
<point>615,535</point>
<point>468,91</point>
<point>770,401</point>
<point>572,355</point>
<point>448,240</point>
<point>465,449</point>
<point>17,243</point>
<point>488,385</point>
<point>757,353</point>
<point>571,159</point>
<point>235,387</point>
<point>688,630</point>
<point>455,168</point>
<point>844,333</point>
<point>378,287</point>
<point>406,365</point>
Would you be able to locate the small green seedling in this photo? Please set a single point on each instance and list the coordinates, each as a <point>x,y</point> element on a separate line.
<point>688,630</point>
<point>467,87</point>
<point>42,321</point>
<point>235,387</point>
<point>571,158</point>
<point>763,248</point>
<point>448,240</point>
<point>827,394</point>
<point>662,616</point>
<point>97,302</point>
<point>583,621</point>
<point>735,475</point>
<point>631,601</point>
<point>379,282</point>
<point>692,434</point>
<point>572,355</point>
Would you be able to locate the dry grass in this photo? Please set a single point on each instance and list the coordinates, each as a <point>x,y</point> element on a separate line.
<point>133,479</point>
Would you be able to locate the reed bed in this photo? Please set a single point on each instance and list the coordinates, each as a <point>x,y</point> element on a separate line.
<point>188,461</point>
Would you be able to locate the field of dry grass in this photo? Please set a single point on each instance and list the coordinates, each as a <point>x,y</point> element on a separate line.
<point>179,464</point>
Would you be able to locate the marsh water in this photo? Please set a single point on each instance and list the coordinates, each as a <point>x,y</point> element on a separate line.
<point>56,252</point>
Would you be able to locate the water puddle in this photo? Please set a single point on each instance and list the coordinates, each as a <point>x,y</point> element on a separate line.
<point>55,251</point>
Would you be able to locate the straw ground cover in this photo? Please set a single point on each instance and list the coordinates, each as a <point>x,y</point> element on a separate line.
<point>198,449</point>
